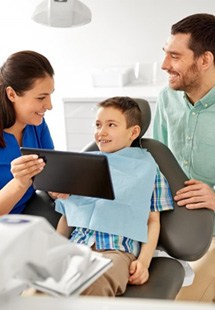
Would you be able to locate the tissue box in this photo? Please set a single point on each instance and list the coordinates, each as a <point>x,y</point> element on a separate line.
<point>111,77</point>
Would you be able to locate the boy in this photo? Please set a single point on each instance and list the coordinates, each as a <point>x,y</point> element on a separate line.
<point>127,228</point>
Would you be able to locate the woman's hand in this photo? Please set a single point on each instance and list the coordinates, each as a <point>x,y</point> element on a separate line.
<point>25,167</point>
<point>196,195</point>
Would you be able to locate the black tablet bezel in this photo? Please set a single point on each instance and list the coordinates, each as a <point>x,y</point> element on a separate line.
<point>77,173</point>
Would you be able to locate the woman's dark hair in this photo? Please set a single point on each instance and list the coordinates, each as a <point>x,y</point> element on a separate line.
<point>201,28</point>
<point>127,106</point>
<point>19,71</point>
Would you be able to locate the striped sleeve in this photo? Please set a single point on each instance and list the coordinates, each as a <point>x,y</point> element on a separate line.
<point>161,198</point>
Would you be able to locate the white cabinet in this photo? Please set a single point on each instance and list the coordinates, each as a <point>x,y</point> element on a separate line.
<point>79,115</point>
<point>79,122</point>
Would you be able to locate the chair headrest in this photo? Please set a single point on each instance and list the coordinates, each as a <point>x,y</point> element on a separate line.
<point>146,118</point>
<point>145,114</point>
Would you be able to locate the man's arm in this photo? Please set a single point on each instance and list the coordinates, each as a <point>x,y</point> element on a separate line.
<point>139,273</point>
<point>196,195</point>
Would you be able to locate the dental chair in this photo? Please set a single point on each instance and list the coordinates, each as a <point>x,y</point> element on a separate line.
<point>41,204</point>
<point>184,234</point>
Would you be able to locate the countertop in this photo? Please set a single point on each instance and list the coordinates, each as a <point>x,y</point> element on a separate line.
<point>148,92</point>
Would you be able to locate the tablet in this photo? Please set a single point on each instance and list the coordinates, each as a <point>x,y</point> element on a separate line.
<point>85,174</point>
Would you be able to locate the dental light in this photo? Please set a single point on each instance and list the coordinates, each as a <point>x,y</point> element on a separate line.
<point>62,13</point>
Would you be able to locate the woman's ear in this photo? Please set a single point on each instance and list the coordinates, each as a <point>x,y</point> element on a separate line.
<point>135,132</point>
<point>11,94</point>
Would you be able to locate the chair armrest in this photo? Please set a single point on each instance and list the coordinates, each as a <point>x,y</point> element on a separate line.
<point>180,228</point>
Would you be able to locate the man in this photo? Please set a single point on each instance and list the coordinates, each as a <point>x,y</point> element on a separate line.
<point>185,122</point>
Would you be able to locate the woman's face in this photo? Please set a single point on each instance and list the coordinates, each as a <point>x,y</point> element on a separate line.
<point>31,106</point>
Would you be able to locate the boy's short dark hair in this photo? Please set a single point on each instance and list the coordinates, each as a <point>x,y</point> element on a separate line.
<point>201,28</point>
<point>127,106</point>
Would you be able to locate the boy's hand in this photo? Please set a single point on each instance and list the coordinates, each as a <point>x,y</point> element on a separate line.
<point>55,195</point>
<point>139,273</point>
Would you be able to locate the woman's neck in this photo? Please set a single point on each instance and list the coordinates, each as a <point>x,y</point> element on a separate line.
<point>17,131</point>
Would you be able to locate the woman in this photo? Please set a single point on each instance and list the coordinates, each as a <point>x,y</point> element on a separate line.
<point>26,85</point>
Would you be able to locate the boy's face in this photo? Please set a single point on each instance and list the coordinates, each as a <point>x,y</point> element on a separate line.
<point>111,133</point>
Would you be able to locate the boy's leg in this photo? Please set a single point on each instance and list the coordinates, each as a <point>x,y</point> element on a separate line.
<point>114,281</point>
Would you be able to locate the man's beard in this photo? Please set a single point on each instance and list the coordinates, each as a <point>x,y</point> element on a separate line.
<point>190,81</point>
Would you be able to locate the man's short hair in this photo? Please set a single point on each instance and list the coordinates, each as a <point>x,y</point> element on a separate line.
<point>201,28</point>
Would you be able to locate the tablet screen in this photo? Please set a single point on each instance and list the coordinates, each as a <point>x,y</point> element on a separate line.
<point>78,173</point>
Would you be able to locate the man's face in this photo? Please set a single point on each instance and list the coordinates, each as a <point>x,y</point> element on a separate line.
<point>181,65</point>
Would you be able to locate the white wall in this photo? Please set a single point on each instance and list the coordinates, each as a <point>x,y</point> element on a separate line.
<point>122,32</point>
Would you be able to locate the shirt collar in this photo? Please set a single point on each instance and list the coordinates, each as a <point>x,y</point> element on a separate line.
<point>205,101</point>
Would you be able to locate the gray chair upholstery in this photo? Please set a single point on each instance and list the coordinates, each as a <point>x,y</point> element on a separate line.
<point>41,204</point>
<point>185,234</point>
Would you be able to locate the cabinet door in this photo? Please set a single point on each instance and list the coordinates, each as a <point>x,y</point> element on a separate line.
<point>79,122</point>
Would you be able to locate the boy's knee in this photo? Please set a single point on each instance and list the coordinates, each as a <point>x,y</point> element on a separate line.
<point>101,287</point>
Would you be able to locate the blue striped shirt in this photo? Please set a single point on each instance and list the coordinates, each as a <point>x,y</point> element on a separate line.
<point>161,201</point>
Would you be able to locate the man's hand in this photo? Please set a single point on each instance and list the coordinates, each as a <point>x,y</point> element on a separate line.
<point>196,195</point>
<point>139,273</point>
